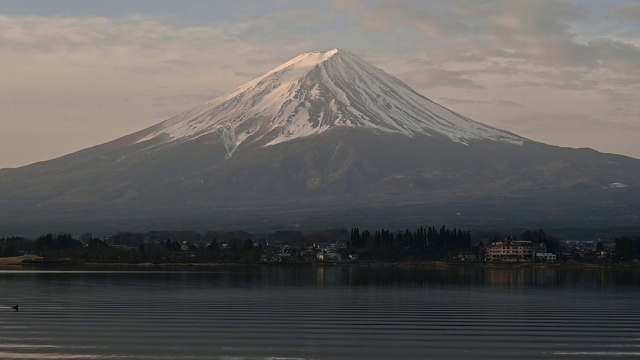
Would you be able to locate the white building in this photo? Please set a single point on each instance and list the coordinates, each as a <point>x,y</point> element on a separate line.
<point>514,251</point>
<point>328,256</point>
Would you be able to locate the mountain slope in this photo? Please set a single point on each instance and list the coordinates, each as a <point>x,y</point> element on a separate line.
<point>324,140</point>
<point>315,92</point>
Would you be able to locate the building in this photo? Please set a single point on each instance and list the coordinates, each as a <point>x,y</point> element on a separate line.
<point>549,257</point>
<point>467,257</point>
<point>514,251</point>
<point>328,256</point>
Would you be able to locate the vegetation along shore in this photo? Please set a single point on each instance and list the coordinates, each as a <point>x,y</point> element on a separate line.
<point>424,246</point>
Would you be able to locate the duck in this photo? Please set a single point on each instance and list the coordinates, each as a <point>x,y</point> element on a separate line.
<point>16,308</point>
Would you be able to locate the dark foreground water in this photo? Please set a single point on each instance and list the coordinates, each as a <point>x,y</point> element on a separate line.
<point>321,313</point>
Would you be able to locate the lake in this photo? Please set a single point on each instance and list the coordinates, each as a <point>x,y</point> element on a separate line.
<point>331,312</point>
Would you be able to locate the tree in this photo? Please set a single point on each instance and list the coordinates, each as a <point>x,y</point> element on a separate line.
<point>172,245</point>
<point>7,250</point>
<point>628,248</point>
<point>599,246</point>
<point>213,250</point>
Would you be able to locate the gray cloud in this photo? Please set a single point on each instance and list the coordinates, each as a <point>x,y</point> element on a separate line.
<point>433,78</point>
<point>630,12</point>
<point>631,34</point>
<point>621,96</point>
<point>532,32</point>
<point>466,101</point>
<point>576,85</point>
<point>620,57</point>
<point>246,74</point>
<point>186,99</point>
<point>508,103</point>
<point>523,84</point>
<point>528,17</point>
<point>176,62</point>
<point>389,15</point>
<point>459,101</point>
<point>353,5</point>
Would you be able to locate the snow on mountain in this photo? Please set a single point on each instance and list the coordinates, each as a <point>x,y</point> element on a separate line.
<point>315,92</point>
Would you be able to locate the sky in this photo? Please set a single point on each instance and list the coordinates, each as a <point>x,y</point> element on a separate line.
<point>77,73</point>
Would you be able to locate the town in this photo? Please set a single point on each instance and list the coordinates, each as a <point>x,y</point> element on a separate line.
<point>336,246</point>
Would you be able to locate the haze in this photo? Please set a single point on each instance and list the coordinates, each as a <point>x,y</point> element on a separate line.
<point>78,73</point>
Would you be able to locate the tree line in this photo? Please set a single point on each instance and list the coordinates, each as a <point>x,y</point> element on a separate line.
<point>628,248</point>
<point>163,246</point>
<point>420,244</point>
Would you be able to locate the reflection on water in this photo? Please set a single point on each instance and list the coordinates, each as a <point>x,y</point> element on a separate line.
<point>320,313</point>
<point>322,276</point>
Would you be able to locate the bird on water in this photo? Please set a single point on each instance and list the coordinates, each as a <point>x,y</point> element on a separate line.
<point>16,308</point>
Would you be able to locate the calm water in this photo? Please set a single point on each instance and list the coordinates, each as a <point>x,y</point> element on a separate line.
<point>320,313</point>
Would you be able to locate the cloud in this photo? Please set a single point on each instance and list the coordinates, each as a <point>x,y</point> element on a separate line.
<point>459,101</point>
<point>186,99</point>
<point>109,77</point>
<point>620,57</point>
<point>631,34</point>
<point>529,38</point>
<point>620,96</point>
<point>630,12</point>
<point>529,17</point>
<point>353,5</point>
<point>466,101</point>
<point>523,83</point>
<point>433,78</point>
<point>391,15</point>
<point>246,74</point>
<point>556,52</point>
<point>177,62</point>
<point>508,103</point>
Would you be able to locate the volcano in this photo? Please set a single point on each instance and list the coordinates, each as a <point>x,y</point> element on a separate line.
<point>316,92</point>
<point>323,140</point>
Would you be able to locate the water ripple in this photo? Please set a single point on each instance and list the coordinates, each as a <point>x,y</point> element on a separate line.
<point>208,316</point>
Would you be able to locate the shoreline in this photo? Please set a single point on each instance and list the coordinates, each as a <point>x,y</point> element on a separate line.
<point>17,260</point>
<point>37,261</point>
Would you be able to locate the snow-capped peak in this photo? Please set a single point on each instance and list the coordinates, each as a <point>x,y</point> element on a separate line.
<point>317,91</point>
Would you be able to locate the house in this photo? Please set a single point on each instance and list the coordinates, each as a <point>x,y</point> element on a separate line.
<point>549,257</point>
<point>467,257</point>
<point>336,246</point>
<point>328,256</point>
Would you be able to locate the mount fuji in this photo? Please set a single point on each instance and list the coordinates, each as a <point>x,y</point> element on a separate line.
<point>316,92</point>
<point>325,139</point>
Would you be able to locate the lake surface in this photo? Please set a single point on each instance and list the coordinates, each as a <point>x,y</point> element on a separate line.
<point>321,313</point>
